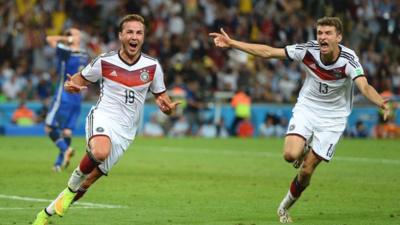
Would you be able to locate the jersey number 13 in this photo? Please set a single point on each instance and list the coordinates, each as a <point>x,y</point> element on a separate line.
<point>323,88</point>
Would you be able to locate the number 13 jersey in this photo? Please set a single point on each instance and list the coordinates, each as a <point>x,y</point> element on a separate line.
<point>327,89</point>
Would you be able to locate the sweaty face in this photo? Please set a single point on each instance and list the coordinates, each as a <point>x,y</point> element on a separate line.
<point>131,37</point>
<point>328,39</point>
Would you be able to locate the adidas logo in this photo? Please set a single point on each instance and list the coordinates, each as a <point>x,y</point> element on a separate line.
<point>113,74</point>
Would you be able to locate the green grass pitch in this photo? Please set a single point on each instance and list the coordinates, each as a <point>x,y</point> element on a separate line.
<point>205,182</point>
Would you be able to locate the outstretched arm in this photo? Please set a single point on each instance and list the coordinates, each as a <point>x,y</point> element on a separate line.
<point>75,83</point>
<point>223,40</point>
<point>370,92</point>
<point>165,104</point>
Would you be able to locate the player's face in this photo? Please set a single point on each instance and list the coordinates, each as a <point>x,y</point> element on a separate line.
<point>328,39</point>
<point>132,37</point>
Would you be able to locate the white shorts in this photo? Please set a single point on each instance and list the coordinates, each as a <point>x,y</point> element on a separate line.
<point>98,124</point>
<point>326,132</point>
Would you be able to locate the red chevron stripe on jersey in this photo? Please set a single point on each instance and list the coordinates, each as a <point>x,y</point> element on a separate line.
<point>126,77</point>
<point>333,74</point>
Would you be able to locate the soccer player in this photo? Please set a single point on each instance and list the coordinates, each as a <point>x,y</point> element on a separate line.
<point>324,102</point>
<point>65,107</point>
<point>126,76</point>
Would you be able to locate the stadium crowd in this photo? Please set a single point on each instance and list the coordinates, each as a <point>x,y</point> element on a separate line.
<point>177,34</point>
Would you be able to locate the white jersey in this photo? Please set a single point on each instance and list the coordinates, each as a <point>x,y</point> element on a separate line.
<point>327,89</point>
<point>123,88</point>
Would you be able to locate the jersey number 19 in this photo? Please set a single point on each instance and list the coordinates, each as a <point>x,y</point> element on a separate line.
<point>129,96</point>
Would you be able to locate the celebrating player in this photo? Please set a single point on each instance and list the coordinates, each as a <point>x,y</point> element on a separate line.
<point>126,76</point>
<point>65,108</point>
<point>324,102</point>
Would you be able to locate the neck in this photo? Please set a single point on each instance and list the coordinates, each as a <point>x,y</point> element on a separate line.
<point>128,58</point>
<point>331,57</point>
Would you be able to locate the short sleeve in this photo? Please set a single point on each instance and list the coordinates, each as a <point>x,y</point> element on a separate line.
<point>158,86</point>
<point>92,72</point>
<point>297,52</point>
<point>354,68</point>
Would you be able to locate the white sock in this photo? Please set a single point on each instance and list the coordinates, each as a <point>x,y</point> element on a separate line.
<point>287,201</point>
<point>76,179</point>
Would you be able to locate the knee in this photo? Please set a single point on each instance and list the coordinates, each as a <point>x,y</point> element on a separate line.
<point>289,156</point>
<point>100,154</point>
<point>53,134</point>
<point>67,133</point>
<point>100,147</point>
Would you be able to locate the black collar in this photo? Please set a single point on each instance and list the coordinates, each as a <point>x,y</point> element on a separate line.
<point>129,64</point>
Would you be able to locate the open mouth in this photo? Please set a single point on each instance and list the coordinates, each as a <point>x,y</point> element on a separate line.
<point>323,45</point>
<point>133,44</point>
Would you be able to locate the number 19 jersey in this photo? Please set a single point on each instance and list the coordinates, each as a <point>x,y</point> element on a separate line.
<point>327,89</point>
<point>123,88</point>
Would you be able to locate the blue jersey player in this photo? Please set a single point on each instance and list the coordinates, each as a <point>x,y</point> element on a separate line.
<point>65,107</point>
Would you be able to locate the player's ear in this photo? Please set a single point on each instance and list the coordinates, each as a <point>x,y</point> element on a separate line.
<point>339,38</point>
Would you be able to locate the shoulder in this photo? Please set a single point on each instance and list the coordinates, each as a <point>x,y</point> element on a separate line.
<point>148,60</point>
<point>103,55</point>
<point>308,45</point>
<point>349,55</point>
<point>145,56</point>
<point>108,54</point>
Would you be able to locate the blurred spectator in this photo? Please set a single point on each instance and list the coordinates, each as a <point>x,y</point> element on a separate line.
<point>287,88</point>
<point>241,103</point>
<point>360,130</point>
<point>245,128</point>
<point>227,79</point>
<point>271,127</point>
<point>13,86</point>
<point>153,128</point>
<point>388,128</point>
<point>194,104</point>
<point>180,128</point>
<point>222,132</point>
<point>207,130</point>
<point>23,116</point>
<point>3,98</point>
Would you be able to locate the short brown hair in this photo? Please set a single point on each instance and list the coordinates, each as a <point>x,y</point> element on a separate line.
<point>130,17</point>
<point>331,21</point>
